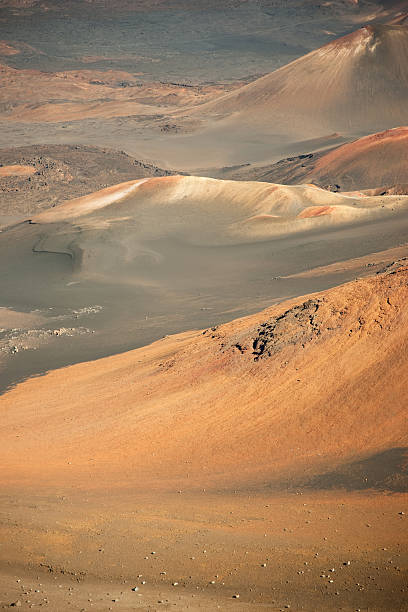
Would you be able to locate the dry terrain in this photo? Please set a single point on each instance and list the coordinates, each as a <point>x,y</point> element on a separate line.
<point>203,305</point>
<point>239,448</point>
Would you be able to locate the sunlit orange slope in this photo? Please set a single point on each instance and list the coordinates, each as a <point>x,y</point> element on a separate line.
<point>289,392</point>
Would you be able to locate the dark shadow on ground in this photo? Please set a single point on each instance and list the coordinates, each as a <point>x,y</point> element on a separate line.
<point>386,471</point>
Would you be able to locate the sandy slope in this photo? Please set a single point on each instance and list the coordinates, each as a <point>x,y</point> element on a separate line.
<point>290,392</point>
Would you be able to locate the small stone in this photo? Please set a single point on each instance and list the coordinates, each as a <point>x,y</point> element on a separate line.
<point>175,583</point>
<point>263,564</point>
<point>346,563</point>
<point>236,596</point>
<point>135,588</point>
<point>16,604</point>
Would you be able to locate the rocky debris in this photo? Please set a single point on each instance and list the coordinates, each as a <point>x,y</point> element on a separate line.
<point>87,310</point>
<point>295,326</point>
<point>393,266</point>
<point>64,172</point>
<point>16,340</point>
<point>298,325</point>
<point>170,128</point>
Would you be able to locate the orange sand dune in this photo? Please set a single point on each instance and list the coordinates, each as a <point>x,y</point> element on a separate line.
<point>105,233</point>
<point>210,211</point>
<point>286,393</point>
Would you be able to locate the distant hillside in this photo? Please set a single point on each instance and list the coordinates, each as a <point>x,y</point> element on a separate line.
<point>356,84</point>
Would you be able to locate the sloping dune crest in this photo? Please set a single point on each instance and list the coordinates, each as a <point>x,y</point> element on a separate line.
<point>284,394</point>
<point>356,84</point>
<point>214,212</point>
<point>109,232</point>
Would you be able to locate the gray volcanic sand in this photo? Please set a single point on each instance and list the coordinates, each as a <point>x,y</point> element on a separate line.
<point>197,42</point>
<point>170,287</point>
<point>214,146</point>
